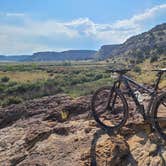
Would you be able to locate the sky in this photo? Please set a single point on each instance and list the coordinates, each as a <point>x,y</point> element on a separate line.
<point>28,26</point>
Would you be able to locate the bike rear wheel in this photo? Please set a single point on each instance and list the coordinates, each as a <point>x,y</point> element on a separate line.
<point>109,108</point>
<point>159,115</point>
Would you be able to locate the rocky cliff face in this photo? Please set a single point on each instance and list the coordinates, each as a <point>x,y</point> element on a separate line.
<point>59,130</point>
<point>143,45</point>
<point>106,50</point>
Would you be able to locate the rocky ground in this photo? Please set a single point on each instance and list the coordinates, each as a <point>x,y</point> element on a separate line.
<point>59,131</point>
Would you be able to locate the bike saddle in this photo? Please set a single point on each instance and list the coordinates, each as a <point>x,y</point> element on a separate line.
<point>119,71</point>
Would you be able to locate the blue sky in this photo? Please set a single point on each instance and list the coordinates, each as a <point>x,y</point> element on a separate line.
<point>27,26</point>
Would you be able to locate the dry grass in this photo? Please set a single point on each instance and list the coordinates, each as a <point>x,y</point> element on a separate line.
<point>147,76</point>
<point>25,76</point>
<point>163,84</point>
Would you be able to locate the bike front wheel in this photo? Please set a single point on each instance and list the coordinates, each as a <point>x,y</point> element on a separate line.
<point>109,108</point>
<point>159,115</point>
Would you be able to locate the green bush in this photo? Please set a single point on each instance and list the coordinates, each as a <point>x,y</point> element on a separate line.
<point>5,79</point>
<point>11,100</point>
<point>12,83</point>
<point>2,87</point>
<point>98,76</point>
<point>137,69</point>
<point>154,58</point>
<point>132,61</point>
<point>160,50</point>
<point>139,60</point>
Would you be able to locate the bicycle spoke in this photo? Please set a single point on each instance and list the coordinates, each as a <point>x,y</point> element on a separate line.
<point>164,104</point>
<point>160,119</point>
<point>109,108</point>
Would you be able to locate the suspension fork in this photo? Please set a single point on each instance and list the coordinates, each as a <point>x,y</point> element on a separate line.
<point>116,85</point>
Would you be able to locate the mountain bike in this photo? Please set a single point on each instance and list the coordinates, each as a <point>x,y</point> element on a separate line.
<point>110,108</point>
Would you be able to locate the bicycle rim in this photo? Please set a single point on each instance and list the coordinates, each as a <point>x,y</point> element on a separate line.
<point>108,114</point>
<point>160,116</point>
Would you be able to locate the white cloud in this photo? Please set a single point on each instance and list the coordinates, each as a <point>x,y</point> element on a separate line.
<point>8,14</point>
<point>137,19</point>
<point>32,35</point>
<point>15,14</point>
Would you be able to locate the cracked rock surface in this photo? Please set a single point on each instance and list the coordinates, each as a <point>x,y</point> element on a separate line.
<point>35,133</point>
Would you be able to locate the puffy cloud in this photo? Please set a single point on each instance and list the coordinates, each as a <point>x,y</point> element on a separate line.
<point>26,35</point>
<point>137,19</point>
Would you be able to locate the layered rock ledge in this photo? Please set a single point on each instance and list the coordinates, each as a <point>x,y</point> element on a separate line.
<point>59,131</point>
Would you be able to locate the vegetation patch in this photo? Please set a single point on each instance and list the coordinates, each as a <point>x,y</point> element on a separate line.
<point>19,82</point>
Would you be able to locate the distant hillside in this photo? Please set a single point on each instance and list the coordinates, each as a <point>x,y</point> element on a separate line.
<point>62,56</point>
<point>143,45</point>
<point>52,56</point>
<point>15,58</point>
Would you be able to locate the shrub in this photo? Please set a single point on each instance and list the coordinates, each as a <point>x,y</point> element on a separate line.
<point>161,33</point>
<point>2,87</point>
<point>154,58</point>
<point>98,76</point>
<point>5,79</point>
<point>66,63</point>
<point>160,50</point>
<point>132,61</point>
<point>11,100</point>
<point>137,69</point>
<point>12,83</point>
<point>139,61</point>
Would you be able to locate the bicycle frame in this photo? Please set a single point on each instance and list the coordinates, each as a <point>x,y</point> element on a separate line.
<point>153,93</point>
<point>115,102</point>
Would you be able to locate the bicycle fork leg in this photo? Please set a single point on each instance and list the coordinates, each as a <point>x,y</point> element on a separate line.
<point>110,97</point>
<point>111,94</point>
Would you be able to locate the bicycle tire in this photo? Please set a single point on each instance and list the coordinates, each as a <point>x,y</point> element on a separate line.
<point>125,108</point>
<point>159,115</point>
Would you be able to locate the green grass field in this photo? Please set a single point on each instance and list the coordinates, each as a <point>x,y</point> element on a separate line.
<point>24,81</point>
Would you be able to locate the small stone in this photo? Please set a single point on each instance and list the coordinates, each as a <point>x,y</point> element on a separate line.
<point>92,123</point>
<point>76,139</point>
<point>87,130</point>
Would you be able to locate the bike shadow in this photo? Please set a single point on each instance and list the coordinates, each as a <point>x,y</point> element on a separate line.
<point>93,156</point>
